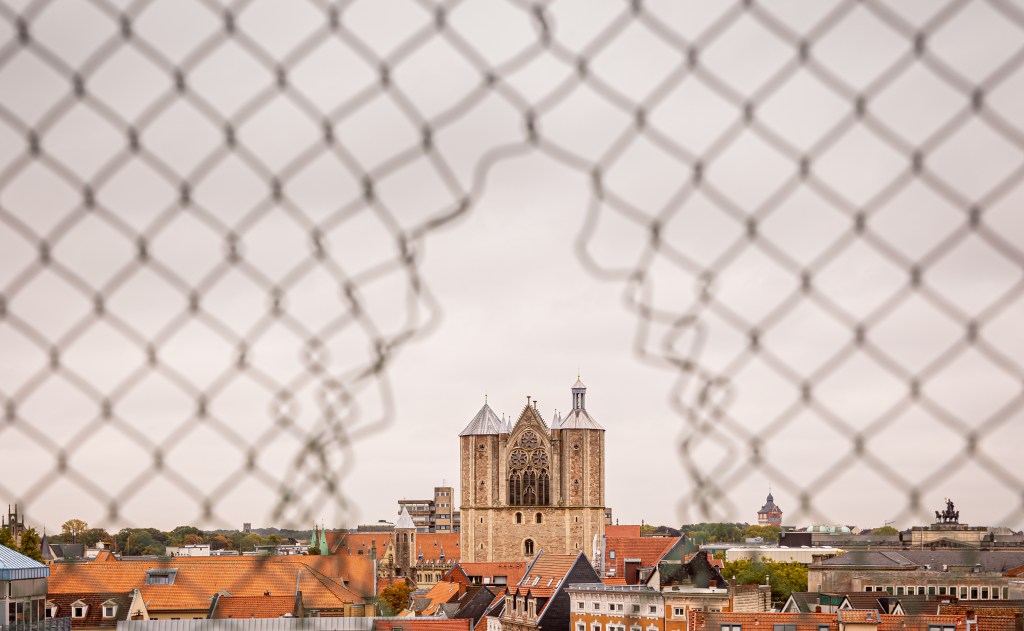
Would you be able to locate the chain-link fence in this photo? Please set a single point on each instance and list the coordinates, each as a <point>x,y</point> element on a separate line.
<point>212,217</point>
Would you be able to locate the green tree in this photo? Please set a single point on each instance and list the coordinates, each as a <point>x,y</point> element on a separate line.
<point>885,530</point>
<point>29,545</point>
<point>768,533</point>
<point>6,539</point>
<point>93,536</point>
<point>72,530</point>
<point>396,597</point>
<point>785,578</point>
<point>314,550</point>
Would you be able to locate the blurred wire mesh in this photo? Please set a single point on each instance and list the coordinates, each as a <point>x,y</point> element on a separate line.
<point>211,216</point>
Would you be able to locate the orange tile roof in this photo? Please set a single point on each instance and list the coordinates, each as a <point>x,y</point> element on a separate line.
<point>432,544</point>
<point>997,623</point>
<point>543,576</point>
<point>253,607</point>
<point>356,572</point>
<point>512,570</point>
<point>613,580</point>
<point>354,543</point>
<point>648,549</point>
<point>858,615</point>
<point>423,624</point>
<point>440,594</point>
<point>632,530</point>
<point>199,578</point>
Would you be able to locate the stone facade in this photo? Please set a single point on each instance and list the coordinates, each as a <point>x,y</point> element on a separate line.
<point>528,487</point>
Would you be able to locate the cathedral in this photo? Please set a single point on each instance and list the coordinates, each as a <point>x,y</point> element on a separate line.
<point>528,487</point>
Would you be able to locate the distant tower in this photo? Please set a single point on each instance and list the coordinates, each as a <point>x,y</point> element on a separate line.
<point>770,514</point>
<point>405,544</point>
<point>15,523</point>
<point>246,527</point>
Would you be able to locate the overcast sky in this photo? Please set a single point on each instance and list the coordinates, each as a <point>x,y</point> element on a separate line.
<point>674,202</point>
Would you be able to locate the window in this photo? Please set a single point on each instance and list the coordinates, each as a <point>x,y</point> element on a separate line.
<point>822,627</point>
<point>611,554</point>
<point>931,590</point>
<point>109,611</point>
<point>974,593</point>
<point>889,589</point>
<point>51,610</point>
<point>481,520</point>
<point>984,593</point>
<point>784,627</point>
<point>963,592</point>
<point>678,612</point>
<point>900,590</point>
<point>595,627</point>
<point>995,593</point>
<point>652,609</point>
<point>161,576</point>
<point>920,590</point>
<point>519,518</point>
<point>581,627</point>
<point>79,609</point>
<point>597,606</point>
<point>942,590</point>
<point>579,605</point>
<point>731,627</point>
<point>636,608</point>
<point>540,518</point>
<point>941,627</point>
<point>528,546</point>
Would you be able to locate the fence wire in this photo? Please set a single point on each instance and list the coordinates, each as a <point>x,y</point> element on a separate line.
<point>212,217</point>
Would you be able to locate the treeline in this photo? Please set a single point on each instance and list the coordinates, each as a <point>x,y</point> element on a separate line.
<point>729,532</point>
<point>784,578</point>
<point>152,541</point>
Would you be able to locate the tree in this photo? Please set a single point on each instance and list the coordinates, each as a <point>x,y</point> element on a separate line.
<point>785,578</point>
<point>29,545</point>
<point>314,550</point>
<point>72,529</point>
<point>396,597</point>
<point>192,540</point>
<point>885,530</point>
<point>220,542</point>
<point>6,539</point>
<point>93,536</point>
<point>768,533</point>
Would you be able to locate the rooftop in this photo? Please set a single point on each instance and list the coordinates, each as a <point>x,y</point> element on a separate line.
<point>15,566</point>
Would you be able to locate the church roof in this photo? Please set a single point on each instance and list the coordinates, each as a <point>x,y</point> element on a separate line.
<point>579,419</point>
<point>404,520</point>
<point>578,384</point>
<point>485,422</point>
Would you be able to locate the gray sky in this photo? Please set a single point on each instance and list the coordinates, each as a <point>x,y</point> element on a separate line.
<point>542,274</point>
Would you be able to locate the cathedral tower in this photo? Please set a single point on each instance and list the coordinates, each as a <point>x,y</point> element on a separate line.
<point>529,487</point>
<point>405,544</point>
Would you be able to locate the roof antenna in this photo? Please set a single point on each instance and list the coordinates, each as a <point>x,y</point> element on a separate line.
<point>485,396</point>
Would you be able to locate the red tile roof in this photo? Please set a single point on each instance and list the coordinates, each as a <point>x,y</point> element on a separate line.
<point>512,570</point>
<point>544,574</point>
<point>705,621</point>
<point>440,594</point>
<point>631,531</point>
<point>198,578</point>
<point>431,545</point>
<point>423,624</point>
<point>253,607</point>
<point>648,549</point>
<point>613,580</point>
<point>358,543</point>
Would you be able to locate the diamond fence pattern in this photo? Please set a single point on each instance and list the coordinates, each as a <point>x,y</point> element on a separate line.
<point>212,213</point>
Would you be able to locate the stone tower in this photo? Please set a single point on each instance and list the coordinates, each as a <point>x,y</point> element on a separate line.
<point>529,487</point>
<point>770,514</point>
<point>405,544</point>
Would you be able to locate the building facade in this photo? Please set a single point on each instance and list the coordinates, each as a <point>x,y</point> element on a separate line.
<point>529,487</point>
<point>434,515</point>
<point>600,607</point>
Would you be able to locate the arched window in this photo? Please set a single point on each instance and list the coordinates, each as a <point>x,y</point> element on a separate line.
<point>540,518</point>
<point>519,518</point>
<point>515,489</point>
<point>528,546</point>
<point>529,497</point>
<point>543,488</point>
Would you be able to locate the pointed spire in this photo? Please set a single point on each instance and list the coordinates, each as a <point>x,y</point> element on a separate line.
<point>485,422</point>
<point>405,521</point>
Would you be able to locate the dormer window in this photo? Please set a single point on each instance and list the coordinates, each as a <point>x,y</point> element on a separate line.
<point>161,576</point>
<point>109,609</point>
<point>79,609</point>
<point>51,610</point>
